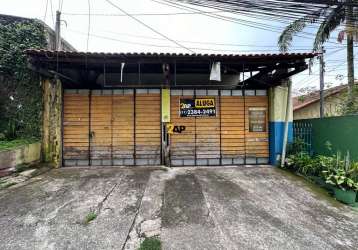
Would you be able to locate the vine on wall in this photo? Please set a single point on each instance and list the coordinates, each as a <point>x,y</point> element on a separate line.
<point>20,89</point>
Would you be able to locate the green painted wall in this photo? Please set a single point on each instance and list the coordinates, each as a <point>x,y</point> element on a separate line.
<point>341,132</point>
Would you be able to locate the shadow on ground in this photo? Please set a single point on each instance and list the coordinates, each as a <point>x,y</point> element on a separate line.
<point>188,208</point>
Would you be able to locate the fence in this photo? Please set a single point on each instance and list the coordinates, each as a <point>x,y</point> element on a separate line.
<point>328,135</point>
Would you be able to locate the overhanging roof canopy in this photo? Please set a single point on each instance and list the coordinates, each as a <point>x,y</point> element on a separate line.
<point>88,69</point>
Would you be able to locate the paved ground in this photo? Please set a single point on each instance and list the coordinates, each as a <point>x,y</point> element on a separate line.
<point>206,208</point>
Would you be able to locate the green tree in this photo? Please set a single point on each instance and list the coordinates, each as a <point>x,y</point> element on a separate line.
<point>20,90</point>
<point>330,19</point>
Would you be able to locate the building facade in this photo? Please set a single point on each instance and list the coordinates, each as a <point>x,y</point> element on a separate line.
<point>164,109</point>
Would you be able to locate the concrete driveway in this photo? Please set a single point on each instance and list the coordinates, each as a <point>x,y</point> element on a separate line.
<point>189,208</point>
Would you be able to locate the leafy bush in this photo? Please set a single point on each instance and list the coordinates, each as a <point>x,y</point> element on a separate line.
<point>342,173</point>
<point>151,243</point>
<point>337,171</point>
<point>20,90</point>
<point>296,147</point>
<point>340,179</point>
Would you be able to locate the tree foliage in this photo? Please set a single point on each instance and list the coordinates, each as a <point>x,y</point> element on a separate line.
<point>330,19</point>
<point>20,90</point>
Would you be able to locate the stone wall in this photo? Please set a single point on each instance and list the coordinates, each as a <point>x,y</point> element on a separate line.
<point>21,155</point>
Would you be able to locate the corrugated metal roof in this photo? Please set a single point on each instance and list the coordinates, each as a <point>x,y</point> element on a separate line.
<point>50,53</point>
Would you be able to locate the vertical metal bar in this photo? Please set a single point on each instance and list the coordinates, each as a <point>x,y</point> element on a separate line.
<point>161,130</point>
<point>89,126</point>
<point>244,97</point>
<point>112,161</point>
<point>219,97</point>
<point>134,128</point>
<point>195,159</point>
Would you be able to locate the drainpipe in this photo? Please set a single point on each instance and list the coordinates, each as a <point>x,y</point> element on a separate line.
<point>285,134</point>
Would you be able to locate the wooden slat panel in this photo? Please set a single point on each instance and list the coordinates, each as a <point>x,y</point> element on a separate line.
<point>182,146</point>
<point>75,126</point>
<point>101,127</point>
<point>147,128</point>
<point>256,142</point>
<point>232,126</point>
<point>123,127</point>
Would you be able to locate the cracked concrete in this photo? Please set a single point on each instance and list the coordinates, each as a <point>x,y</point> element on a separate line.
<point>188,208</point>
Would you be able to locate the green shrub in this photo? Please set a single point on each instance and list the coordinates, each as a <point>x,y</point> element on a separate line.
<point>20,91</point>
<point>152,243</point>
<point>296,147</point>
<point>90,217</point>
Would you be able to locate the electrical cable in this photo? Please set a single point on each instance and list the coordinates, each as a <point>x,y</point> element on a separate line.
<point>45,15</point>
<point>212,43</point>
<point>236,20</point>
<point>89,24</point>
<point>138,14</point>
<point>146,25</point>
<point>61,5</point>
<point>53,19</point>
<point>168,46</point>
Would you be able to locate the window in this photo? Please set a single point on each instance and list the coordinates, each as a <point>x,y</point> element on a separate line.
<point>257,119</point>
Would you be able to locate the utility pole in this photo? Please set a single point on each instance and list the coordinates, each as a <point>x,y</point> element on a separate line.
<point>288,111</point>
<point>321,84</point>
<point>350,53</point>
<point>58,31</point>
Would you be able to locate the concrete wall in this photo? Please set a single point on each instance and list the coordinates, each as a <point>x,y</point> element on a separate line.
<point>332,107</point>
<point>278,104</point>
<point>22,154</point>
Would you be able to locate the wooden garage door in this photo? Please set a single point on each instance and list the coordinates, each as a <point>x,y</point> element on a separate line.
<point>112,127</point>
<point>222,140</point>
<point>76,127</point>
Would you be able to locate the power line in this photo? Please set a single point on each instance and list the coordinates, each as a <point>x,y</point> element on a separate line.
<point>306,47</point>
<point>165,46</point>
<point>144,24</point>
<point>235,20</point>
<point>53,20</point>
<point>61,5</point>
<point>140,14</point>
<point>45,15</point>
<point>89,24</point>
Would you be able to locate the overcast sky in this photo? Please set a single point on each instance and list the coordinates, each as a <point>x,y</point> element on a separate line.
<point>110,32</point>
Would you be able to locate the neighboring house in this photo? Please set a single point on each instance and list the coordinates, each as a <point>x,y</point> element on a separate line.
<point>50,33</point>
<point>308,106</point>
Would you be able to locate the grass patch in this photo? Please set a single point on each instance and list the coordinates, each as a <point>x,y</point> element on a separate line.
<point>6,145</point>
<point>90,217</point>
<point>152,243</point>
<point>4,185</point>
<point>20,168</point>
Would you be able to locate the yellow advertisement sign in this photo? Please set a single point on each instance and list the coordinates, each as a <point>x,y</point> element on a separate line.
<point>165,105</point>
<point>197,107</point>
<point>205,103</point>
